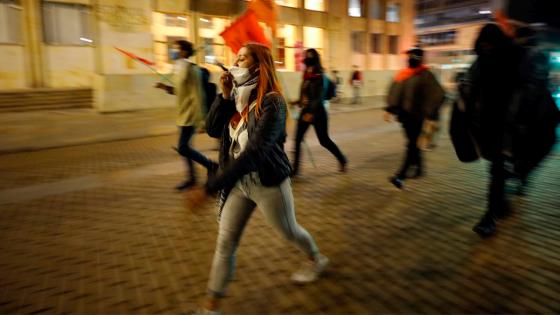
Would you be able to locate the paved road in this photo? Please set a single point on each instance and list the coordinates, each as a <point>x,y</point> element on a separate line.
<point>97,229</point>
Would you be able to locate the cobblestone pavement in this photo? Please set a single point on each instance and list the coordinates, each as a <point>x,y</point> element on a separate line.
<point>98,229</point>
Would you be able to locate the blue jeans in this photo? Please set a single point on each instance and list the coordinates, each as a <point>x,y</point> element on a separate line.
<point>184,148</point>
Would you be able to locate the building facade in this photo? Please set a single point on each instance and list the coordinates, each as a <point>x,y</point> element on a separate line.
<point>71,43</point>
<point>447,29</point>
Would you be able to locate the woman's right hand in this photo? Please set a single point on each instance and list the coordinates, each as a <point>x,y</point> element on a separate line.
<point>226,83</point>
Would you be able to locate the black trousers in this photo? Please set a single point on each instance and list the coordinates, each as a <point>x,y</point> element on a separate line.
<point>184,148</point>
<point>320,123</point>
<point>413,157</point>
<point>496,189</point>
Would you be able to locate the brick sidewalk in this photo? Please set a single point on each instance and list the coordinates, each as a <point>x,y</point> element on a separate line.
<point>97,229</point>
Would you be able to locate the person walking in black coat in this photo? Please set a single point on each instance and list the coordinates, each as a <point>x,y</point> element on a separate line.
<point>313,111</point>
<point>511,116</point>
<point>414,96</point>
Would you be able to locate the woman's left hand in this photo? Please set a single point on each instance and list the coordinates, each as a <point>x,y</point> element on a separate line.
<point>214,184</point>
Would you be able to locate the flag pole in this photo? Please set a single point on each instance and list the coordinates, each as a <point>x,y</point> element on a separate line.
<point>136,58</point>
<point>156,72</point>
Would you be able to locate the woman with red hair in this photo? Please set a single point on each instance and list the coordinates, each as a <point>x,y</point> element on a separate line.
<point>250,119</point>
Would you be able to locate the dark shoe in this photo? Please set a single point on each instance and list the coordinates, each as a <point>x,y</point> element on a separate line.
<point>397,182</point>
<point>342,167</point>
<point>186,185</point>
<point>486,227</point>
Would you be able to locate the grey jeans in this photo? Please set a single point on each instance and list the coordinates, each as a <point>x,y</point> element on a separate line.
<point>277,205</point>
<point>356,95</point>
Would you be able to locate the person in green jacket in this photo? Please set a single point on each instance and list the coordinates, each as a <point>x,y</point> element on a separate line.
<point>190,99</point>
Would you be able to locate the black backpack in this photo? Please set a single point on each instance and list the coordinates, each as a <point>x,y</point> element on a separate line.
<point>209,89</point>
<point>329,87</point>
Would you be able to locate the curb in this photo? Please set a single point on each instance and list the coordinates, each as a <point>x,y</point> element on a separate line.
<point>141,136</point>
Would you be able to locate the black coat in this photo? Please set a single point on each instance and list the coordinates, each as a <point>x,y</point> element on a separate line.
<point>312,90</point>
<point>508,111</point>
<point>264,152</point>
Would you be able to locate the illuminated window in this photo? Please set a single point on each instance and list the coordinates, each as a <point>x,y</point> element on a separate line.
<point>215,50</point>
<point>315,5</point>
<point>356,8</point>
<point>288,3</point>
<point>393,12</point>
<point>67,24</point>
<point>286,42</point>
<point>10,22</point>
<point>167,29</point>
<point>175,20</point>
<point>313,37</point>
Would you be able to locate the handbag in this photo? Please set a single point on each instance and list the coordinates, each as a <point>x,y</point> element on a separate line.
<point>463,142</point>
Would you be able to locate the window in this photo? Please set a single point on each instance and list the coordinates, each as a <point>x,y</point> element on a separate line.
<point>209,29</point>
<point>358,41</point>
<point>288,3</point>
<point>166,30</point>
<point>67,24</point>
<point>393,44</point>
<point>393,12</point>
<point>286,47</point>
<point>10,22</point>
<point>424,5</point>
<point>313,37</point>
<point>375,11</point>
<point>175,20</point>
<point>375,43</point>
<point>434,39</point>
<point>315,5</point>
<point>356,8</point>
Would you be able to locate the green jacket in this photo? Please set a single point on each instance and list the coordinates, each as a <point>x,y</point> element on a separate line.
<point>419,96</point>
<point>190,94</point>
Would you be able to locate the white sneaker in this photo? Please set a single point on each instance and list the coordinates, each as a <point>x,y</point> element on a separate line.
<point>311,270</point>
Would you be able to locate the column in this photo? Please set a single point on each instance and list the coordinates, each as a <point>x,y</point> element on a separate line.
<point>32,29</point>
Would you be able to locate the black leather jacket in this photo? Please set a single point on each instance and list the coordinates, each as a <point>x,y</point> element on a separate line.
<point>264,152</point>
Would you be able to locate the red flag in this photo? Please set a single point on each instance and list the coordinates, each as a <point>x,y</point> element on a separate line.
<point>133,56</point>
<point>244,30</point>
<point>502,20</point>
<point>265,10</point>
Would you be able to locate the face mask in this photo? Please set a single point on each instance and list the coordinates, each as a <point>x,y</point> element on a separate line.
<point>413,62</point>
<point>310,61</point>
<point>240,75</point>
<point>174,54</point>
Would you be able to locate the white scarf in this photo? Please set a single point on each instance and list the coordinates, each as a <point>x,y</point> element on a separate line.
<point>244,85</point>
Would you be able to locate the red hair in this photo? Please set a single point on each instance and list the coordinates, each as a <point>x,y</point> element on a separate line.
<point>268,81</point>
